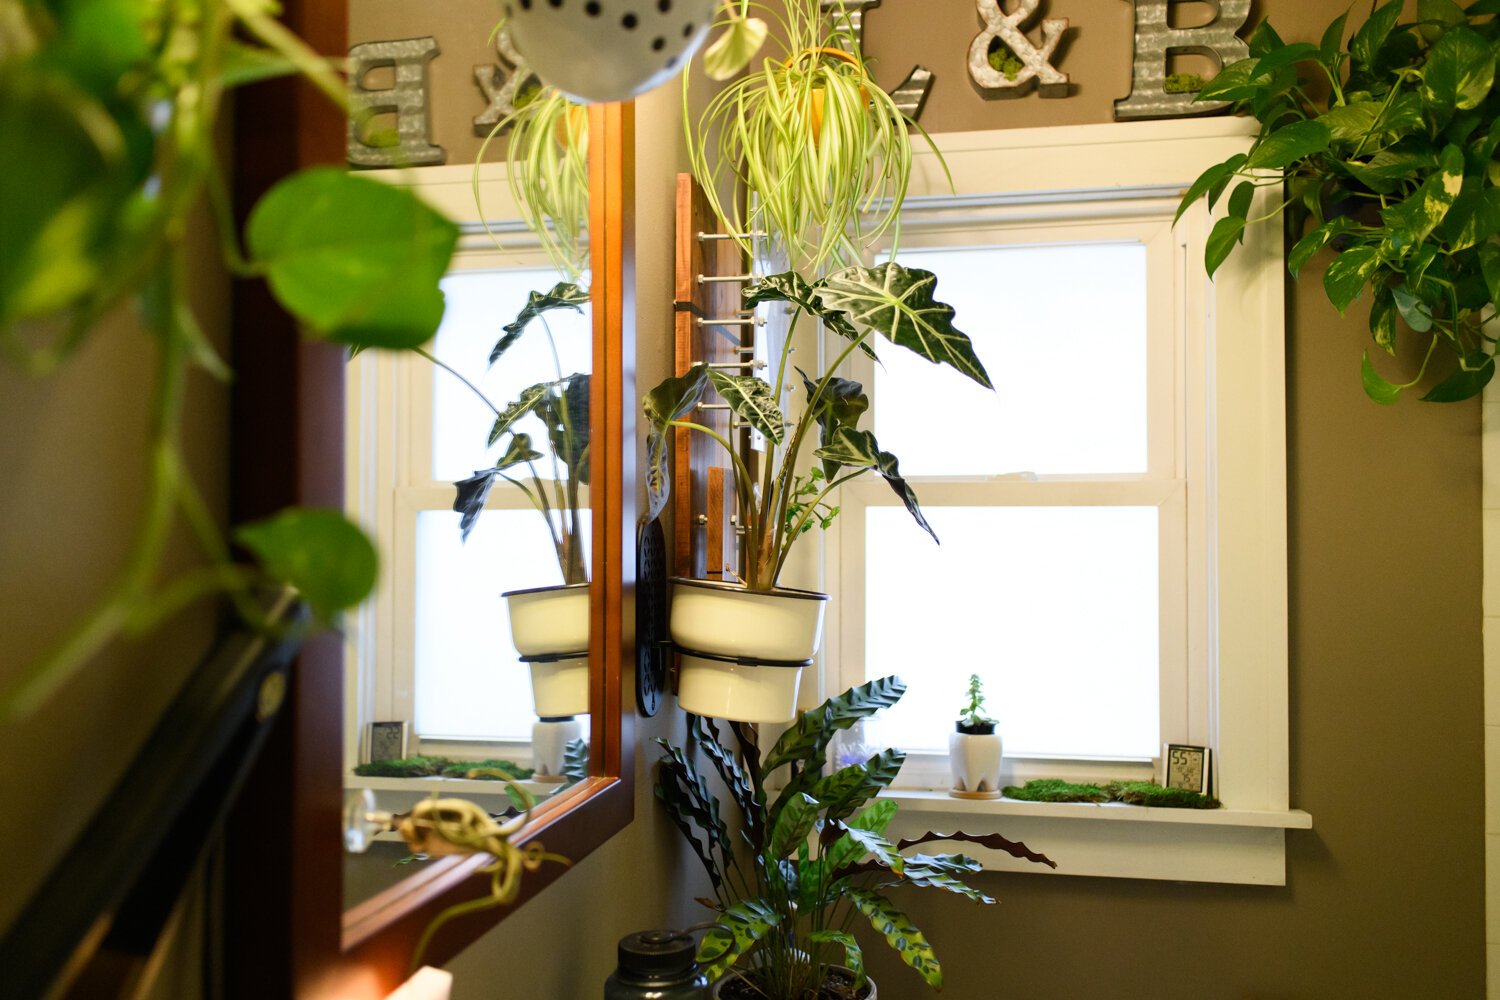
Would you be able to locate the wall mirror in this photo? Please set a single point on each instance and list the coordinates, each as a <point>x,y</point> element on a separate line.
<point>435,651</point>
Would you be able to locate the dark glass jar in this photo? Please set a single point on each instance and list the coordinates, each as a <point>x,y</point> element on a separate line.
<point>657,965</point>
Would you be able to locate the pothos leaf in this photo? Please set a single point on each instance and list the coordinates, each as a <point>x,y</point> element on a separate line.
<point>1414,218</point>
<point>1348,273</point>
<point>563,295</point>
<point>1289,144</point>
<point>1376,386</point>
<point>1383,319</point>
<point>322,553</point>
<point>1467,380</point>
<point>1210,178</point>
<point>897,302</point>
<point>753,400</point>
<point>900,933</point>
<point>738,929</point>
<point>1460,70</point>
<point>1366,43</point>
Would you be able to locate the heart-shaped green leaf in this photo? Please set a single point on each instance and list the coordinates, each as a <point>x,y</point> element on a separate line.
<point>1460,70</point>
<point>1367,41</point>
<point>320,552</point>
<point>1468,380</point>
<point>1376,385</point>
<point>1289,144</point>
<point>1347,275</point>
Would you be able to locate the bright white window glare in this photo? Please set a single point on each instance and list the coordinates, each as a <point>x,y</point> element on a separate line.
<point>1056,608</point>
<point>470,683</point>
<point>479,303</point>
<point>1061,329</point>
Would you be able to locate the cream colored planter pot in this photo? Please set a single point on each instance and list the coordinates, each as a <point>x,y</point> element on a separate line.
<point>725,619</point>
<point>975,762</point>
<point>560,687</point>
<point>721,688</point>
<point>719,987</point>
<point>549,620</point>
<point>549,746</point>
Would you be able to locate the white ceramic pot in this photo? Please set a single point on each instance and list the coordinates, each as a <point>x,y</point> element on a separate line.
<point>721,984</point>
<point>723,688</point>
<point>549,745</point>
<point>549,620</point>
<point>725,619</point>
<point>975,762</point>
<point>607,50</point>
<point>560,686</point>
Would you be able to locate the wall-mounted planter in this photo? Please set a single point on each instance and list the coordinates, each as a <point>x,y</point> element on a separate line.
<point>559,683</point>
<point>741,690</point>
<point>549,620</point>
<point>974,757</point>
<point>725,619</point>
<point>607,50</point>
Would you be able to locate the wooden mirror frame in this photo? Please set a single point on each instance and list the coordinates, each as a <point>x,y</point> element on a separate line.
<point>285,933</point>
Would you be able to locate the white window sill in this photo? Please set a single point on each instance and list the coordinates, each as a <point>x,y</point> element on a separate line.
<point>1113,840</point>
<point>447,786</point>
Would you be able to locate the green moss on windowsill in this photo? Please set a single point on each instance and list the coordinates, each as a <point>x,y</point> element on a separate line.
<point>461,769</point>
<point>1183,83</point>
<point>1133,793</point>
<point>447,767</point>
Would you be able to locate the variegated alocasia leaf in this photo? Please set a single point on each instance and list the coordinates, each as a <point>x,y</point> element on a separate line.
<point>472,493</point>
<point>897,302</point>
<point>900,933</point>
<point>859,448</point>
<point>566,414</point>
<point>753,400</point>
<point>789,286</point>
<point>529,399</point>
<point>563,295</point>
<point>517,450</point>
<point>672,399</point>
<point>841,403</point>
<point>738,929</point>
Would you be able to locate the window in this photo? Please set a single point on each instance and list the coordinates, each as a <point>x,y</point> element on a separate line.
<point>1113,558</point>
<point>434,647</point>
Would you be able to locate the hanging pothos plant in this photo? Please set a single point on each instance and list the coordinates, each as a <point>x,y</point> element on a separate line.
<point>1395,170</point>
<point>108,111</point>
<point>561,406</point>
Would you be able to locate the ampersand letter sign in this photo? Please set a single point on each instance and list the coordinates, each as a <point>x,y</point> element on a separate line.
<point>1156,40</point>
<point>406,99</point>
<point>500,88</point>
<point>1030,64</point>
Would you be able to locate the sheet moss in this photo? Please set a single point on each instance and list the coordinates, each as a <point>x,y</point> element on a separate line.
<point>1134,793</point>
<point>1182,83</point>
<point>1004,60</point>
<point>430,767</point>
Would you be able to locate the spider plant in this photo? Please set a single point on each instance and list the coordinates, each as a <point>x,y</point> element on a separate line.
<point>561,406</point>
<point>822,153</point>
<point>548,175</point>
<point>855,303</point>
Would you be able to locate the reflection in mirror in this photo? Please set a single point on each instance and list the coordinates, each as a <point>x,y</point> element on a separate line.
<point>469,462</point>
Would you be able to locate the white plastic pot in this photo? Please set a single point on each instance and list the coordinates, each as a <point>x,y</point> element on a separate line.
<point>549,620</point>
<point>975,759</point>
<point>725,619</point>
<point>560,687</point>
<point>549,746</point>
<point>607,50</point>
<point>723,688</point>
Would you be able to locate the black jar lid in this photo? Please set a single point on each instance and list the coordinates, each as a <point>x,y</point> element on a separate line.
<point>653,954</point>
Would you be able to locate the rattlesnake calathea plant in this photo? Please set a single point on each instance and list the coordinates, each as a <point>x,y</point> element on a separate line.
<point>811,857</point>
<point>1394,169</point>
<point>855,303</point>
<point>561,406</point>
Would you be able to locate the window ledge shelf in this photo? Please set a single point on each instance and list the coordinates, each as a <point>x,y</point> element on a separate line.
<point>447,786</point>
<point>1113,840</point>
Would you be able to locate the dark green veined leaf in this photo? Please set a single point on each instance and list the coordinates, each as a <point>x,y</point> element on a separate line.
<point>1386,169</point>
<point>848,788</point>
<point>1481,7</point>
<point>897,302</point>
<point>1211,177</point>
<point>1468,380</point>
<point>1383,319</point>
<point>1412,220</point>
<point>1284,56</point>
<point>682,792</point>
<point>900,933</point>
<point>1418,264</point>
<point>1232,83</point>
<point>1402,115</point>
<point>1489,265</point>
<point>789,286</point>
<point>854,959</point>
<point>565,411</point>
<point>530,398</point>
<point>1367,41</point>
<point>1347,275</point>
<point>1308,246</point>
<point>1418,314</point>
<point>356,260</point>
<point>673,399</point>
<point>840,404</point>
<point>563,295</point>
<point>1376,385</point>
<point>859,449</point>
<point>876,817</point>
<point>806,742</point>
<point>739,928</point>
<point>1222,240</point>
<point>517,450</point>
<point>320,552</point>
<point>705,804</point>
<point>872,843</point>
<point>993,841</point>
<point>1460,70</point>
<point>1288,144</point>
<point>793,823</point>
<point>943,872</point>
<point>1474,218</point>
<point>706,734</point>
<point>753,400</point>
<point>1333,38</point>
<point>472,493</point>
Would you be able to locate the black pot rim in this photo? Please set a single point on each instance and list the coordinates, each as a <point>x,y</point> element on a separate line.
<point>982,729</point>
<point>552,657</point>
<point>740,588</point>
<point>744,661</point>
<point>541,590</point>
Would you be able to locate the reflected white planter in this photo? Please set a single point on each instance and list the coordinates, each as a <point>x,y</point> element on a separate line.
<point>549,745</point>
<point>738,691</point>
<point>549,620</point>
<point>560,687</point>
<point>607,50</point>
<point>975,762</point>
<point>725,619</point>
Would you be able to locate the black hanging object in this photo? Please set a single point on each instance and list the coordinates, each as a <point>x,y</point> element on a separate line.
<point>652,619</point>
<point>657,965</point>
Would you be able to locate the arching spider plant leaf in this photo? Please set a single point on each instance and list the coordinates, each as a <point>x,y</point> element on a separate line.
<point>900,933</point>
<point>858,448</point>
<point>563,295</point>
<point>739,928</point>
<point>733,50</point>
<point>672,399</point>
<point>753,400</point>
<point>897,302</point>
<point>320,552</point>
<point>531,397</point>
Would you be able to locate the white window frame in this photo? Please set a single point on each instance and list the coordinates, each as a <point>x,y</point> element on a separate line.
<point>1231,688</point>
<point>389,479</point>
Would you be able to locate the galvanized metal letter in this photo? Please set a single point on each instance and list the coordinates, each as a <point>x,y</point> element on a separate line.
<point>406,99</point>
<point>1156,40</point>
